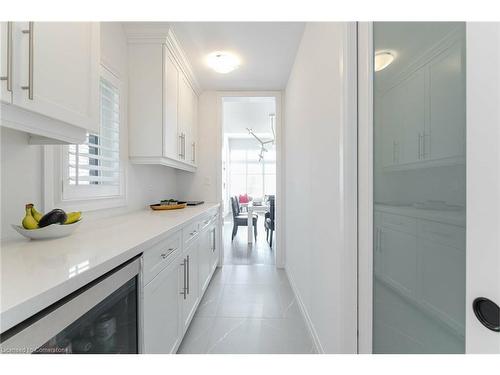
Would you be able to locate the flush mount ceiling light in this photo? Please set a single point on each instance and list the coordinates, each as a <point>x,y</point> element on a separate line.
<point>383,59</point>
<point>223,62</point>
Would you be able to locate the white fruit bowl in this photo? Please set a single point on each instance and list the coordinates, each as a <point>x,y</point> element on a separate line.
<point>48,232</point>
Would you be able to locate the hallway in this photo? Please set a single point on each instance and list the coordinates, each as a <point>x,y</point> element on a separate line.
<point>249,306</point>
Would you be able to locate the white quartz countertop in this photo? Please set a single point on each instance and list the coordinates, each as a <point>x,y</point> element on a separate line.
<point>454,217</point>
<point>35,274</point>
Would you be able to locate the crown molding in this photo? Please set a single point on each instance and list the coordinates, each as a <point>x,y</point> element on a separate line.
<point>162,33</point>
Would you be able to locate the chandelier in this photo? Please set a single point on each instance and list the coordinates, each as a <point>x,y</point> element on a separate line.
<point>263,143</point>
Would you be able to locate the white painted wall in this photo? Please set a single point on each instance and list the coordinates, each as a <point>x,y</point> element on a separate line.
<point>254,115</point>
<point>320,184</point>
<point>22,164</point>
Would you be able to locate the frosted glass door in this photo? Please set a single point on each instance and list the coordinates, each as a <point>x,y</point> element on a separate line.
<point>419,187</point>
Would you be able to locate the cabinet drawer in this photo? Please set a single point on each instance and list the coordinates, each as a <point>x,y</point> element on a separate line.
<point>160,255</point>
<point>208,220</point>
<point>400,223</point>
<point>191,231</point>
<point>445,234</point>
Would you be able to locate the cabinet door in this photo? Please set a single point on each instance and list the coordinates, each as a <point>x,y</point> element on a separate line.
<point>398,258</point>
<point>447,104</point>
<point>442,281</point>
<point>145,90</point>
<point>6,62</point>
<point>170,97</point>
<point>64,71</point>
<point>184,119</point>
<point>193,128</point>
<point>214,247</point>
<point>204,257</point>
<point>189,304</point>
<point>162,323</point>
<point>391,120</point>
<point>412,110</point>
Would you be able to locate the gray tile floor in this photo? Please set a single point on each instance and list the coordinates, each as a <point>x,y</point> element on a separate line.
<point>247,308</point>
<point>240,252</point>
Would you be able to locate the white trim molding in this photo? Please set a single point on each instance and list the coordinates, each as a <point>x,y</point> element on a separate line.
<point>365,187</point>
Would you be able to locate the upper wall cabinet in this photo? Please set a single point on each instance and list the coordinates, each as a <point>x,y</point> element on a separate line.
<point>163,100</point>
<point>422,110</point>
<point>50,79</point>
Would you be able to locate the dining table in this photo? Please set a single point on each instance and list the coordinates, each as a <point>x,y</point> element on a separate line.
<point>251,208</point>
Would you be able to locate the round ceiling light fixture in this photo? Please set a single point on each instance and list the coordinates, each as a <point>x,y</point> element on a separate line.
<point>223,62</point>
<point>383,59</point>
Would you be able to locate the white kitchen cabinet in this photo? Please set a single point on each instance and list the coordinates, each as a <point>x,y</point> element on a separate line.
<point>171,147</point>
<point>213,245</point>
<point>422,111</point>
<point>162,320</point>
<point>162,101</point>
<point>176,273</point>
<point>413,107</point>
<point>423,261</point>
<point>6,62</point>
<point>55,81</point>
<point>188,108</point>
<point>204,259</point>
<point>398,259</point>
<point>391,118</point>
<point>208,251</point>
<point>447,105</point>
<point>189,279</point>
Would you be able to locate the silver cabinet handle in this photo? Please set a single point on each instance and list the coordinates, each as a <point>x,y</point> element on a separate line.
<point>380,240</point>
<point>213,240</point>
<point>180,145</point>
<point>184,146</point>
<point>188,266</point>
<point>419,146</point>
<point>29,87</point>
<point>169,251</point>
<point>184,288</point>
<point>194,152</point>
<point>8,77</point>
<point>424,154</point>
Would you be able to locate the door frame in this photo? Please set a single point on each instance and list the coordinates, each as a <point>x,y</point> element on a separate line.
<point>483,192</point>
<point>365,187</point>
<point>279,254</point>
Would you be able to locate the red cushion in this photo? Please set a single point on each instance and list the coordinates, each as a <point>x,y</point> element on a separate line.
<point>244,198</point>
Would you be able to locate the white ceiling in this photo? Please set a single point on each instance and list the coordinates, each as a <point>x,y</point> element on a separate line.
<point>266,49</point>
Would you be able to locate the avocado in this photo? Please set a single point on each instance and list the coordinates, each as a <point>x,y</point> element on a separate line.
<point>56,216</point>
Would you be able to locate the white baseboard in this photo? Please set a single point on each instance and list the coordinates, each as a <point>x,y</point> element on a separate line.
<point>310,326</point>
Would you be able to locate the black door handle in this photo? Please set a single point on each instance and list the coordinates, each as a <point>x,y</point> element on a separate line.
<point>487,312</point>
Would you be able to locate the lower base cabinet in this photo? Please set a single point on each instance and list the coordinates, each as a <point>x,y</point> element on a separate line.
<point>162,320</point>
<point>171,298</point>
<point>189,279</point>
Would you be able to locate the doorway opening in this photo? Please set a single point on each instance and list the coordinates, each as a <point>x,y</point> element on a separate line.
<point>249,179</point>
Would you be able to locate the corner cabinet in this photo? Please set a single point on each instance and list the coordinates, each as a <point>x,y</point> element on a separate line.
<point>163,101</point>
<point>50,79</point>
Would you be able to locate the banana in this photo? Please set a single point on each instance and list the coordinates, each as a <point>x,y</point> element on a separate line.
<point>29,221</point>
<point>36,214</point>
<point>73,217</point>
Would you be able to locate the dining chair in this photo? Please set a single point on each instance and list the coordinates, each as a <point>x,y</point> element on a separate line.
<point>269,220</point>
<point>241,220</point>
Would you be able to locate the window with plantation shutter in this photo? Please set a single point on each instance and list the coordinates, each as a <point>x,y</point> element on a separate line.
<point>92,169</point>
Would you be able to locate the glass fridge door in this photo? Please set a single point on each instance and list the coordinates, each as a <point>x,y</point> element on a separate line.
<point>108,328</point>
